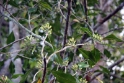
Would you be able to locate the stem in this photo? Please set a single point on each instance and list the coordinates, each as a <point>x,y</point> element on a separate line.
<point>66,28</point>
<point>110,67</point>
<point>67,23</point>
<point>44,71</point>
<point>109,16</point>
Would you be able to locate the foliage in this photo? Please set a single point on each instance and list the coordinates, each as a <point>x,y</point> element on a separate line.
<point>47,19</point>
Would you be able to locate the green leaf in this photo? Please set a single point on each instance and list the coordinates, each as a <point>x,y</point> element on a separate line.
<point>44,5</point>
<point>10,38</point>
<point>112,37</point>
<point>92,2</point>
<point>1,81</point>
<point>83,65</point>
<point>1,63</point>
<point>95,54</point>
<point>24,13</point>
<point>16,75</point>
<point>84,53</point>
<point>9,81</point>
<point>120,1</point>
<point>70,56</point>
<point>11,67</point>
<point>33,63</point>
<point>78,80</point>
<point>87,31</point>
<point>58,59</point>
<point>24,77</point>
<point>34,9</point>
<point>56,26</point>
<point>91,63</point>
<point>23,21</point>
<point>64,77</point>
<point>107,53</point>
<point>13,3</point>
<point>105,70</point>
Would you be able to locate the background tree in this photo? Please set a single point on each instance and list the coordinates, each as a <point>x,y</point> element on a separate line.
<point>61,41</point>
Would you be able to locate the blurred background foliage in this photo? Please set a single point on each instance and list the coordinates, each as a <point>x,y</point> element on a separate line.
<point>34,14</point>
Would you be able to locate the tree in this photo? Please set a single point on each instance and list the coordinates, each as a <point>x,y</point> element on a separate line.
<point>61,41</point>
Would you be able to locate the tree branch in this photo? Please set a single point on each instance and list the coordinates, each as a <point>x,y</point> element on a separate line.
<point>66,27</point>
<point>110,67</point>
<point>12,43</point>
<point>34,78</point>
<point>116,76</point>
<point>30,32</point>
<point>85,36</point>
<point>66,47</point>
<point>112,30</point>
<point>109,16</point>
<point>105,33</point>
<point>85,9</point>
<point>44,71</point>
<point>67,23</point>
<point>59,3</point>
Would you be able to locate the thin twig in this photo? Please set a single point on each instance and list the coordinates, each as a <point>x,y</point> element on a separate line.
<point>112,30</point>
<point>35,76</point>
<point>107,32</point>
<point>109,16</point>
<point>37,36</point>
<point>44,71</point>
<point>59,3</point>
<point>29,21</point>
<point>116,76</point>
<point>35,17</point>
<point>62,50</point>
<point>85,9</point>
<point>44,59</point>
<point>24,57</point>
<point>12,43</point>
<point>43,44</point>
<point>12,52</point>
<point>110,67</point>
<point>85,36</point>
<point>67,23</point>
<point>18,54</point>
<point>82,20</point>
<point>66,27</point>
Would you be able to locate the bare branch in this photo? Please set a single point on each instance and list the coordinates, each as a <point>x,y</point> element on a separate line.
<point>103,34</point>
<point>35,75</point>
<point>85,8</point>
<point>110,67</point>
<point>66,27</point>
<point>29,21</point>
<point>44,71</point>
<point>116,76</point>
<point>109,16</point>
<point>112,30</point>
<point>30,32</point>
<point>59,3</point>
<point>85,36</point>
<point>43,45</point>
<point>12,43</point>
<point>66,47</point>
<point>67,23</point>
